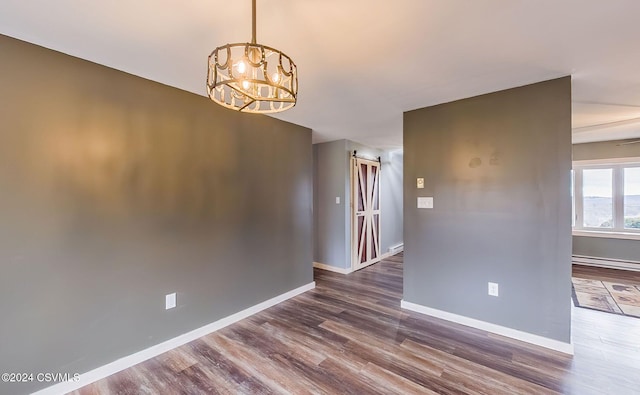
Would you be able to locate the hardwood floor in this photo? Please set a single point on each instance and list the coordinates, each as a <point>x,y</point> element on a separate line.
<point>614,275</point>
<point>350,336</point>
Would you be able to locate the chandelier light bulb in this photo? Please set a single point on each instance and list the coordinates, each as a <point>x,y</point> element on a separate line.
<point>275,77</point>
<point>245,84</point>
<point>241,67</point>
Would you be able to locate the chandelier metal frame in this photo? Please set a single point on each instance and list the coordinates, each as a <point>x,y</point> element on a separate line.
<point>252,77</point>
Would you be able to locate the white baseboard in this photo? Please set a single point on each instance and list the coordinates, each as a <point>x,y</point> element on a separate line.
<point>566,348</point>
<point>396,249</point>
<point>382,257</point>
<point>341,270</point>
<point>606,263</point>
<point>330,268</point>
<point>141,356</point>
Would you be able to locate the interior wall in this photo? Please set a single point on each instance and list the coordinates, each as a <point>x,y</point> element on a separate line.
<point>498,167</point>
<point>117,191</point>
<point>391,200</point>
<point>330,235</point>
<point>601,247</point>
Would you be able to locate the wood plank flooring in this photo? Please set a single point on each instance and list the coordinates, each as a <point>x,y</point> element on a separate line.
<point>349,336</point>
<point>604,274</point>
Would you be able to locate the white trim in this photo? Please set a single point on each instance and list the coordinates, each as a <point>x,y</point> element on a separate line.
<point>617,167</point>
<point>566,348</point>
<point>396,249</point>
<point>606,161</point>
<point>606,235</point>
<point>373,261</point>
<point>141,356</point>
<point>331,268</point>
<point>341,270</point>
<point>606,263</point>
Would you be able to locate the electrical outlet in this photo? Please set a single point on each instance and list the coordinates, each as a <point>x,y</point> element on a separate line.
<point>493,289</point>
<point>170,301</point>
<point>420,183</point>
<point>337,199</point>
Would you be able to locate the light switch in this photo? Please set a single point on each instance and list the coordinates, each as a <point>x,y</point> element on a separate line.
<point>337,199</point>
<point>425,202</point>
<point>420,183</point>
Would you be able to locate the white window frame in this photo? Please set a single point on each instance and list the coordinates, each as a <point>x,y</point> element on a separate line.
<point>618,230</point>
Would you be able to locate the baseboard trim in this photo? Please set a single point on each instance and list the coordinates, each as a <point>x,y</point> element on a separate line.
<point>330,268</point>
<point>380,258</point>
<point>606,263</point>
<point>153,351</point>
<point>565,348</point>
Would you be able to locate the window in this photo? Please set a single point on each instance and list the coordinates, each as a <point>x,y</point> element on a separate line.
<point>632,198</point>
<point>597,195</point>
<point>606,197</point>
<point>573,200</point>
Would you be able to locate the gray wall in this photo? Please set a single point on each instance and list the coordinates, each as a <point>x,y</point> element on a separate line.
<point>498,167</point>
<point>628,250</point>
<point>116,191</point>
<point>330,234</point>
<point>600,247</point>
<point>332,222</point>
<point>391,200</point>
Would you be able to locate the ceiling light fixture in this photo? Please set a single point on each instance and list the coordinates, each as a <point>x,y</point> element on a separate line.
<point>251,77</point>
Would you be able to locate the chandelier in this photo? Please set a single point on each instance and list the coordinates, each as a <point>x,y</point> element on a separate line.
<point>251,77</point>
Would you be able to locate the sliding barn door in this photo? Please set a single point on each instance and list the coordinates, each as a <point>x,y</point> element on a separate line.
<point>365,203</point>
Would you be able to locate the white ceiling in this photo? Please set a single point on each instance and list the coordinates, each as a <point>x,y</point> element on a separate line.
<point>362,63</point>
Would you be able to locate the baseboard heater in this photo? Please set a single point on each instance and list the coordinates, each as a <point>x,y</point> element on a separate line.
<point>606,262</point>
<point>396,249</point>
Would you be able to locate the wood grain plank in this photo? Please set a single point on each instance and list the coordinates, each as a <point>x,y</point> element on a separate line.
<point>350,336</point>
<point>392,383</point>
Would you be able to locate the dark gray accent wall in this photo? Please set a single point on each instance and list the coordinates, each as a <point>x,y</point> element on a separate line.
<point>600,247</point>
<point>115,191</point>
<point>498,168</point>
